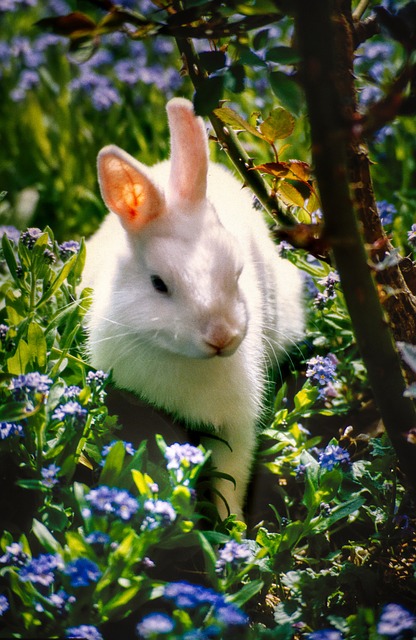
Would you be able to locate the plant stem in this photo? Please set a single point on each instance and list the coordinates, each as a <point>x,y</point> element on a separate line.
<point>323,37</point>
<point>229,142</point>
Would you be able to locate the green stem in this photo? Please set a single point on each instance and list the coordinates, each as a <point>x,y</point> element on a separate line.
<point>321,33</point>
<point>229,142</point>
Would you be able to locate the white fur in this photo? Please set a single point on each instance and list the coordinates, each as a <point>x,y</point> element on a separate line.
<point>201,350</point>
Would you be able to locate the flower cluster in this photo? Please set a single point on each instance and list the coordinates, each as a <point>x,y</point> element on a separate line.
<point>72,413</point>
<point>321,371</point>
<point>9,429</point>
<point>159,513</point>
<point>84,632</point>
<point>41,570</point>
<point>232,556</point>
<point>68,248</point>
<point>411,235</point>
<point>182,458</point>
<point>396,622</point>
<point>214,612</point>
<point>111,501</point>
<point>332,455</point>
<point>49,474</point>
<point>329,293</point>
<point>30,386</point>
<point>82,572</point>
<point>386,211</point>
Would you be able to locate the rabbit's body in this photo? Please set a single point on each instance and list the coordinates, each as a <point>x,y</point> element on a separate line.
<point>191,303</point>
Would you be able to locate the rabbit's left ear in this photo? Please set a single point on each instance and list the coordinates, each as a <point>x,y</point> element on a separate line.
<point>189,154</point>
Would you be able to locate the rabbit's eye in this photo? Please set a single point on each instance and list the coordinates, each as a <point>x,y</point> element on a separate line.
<point>158,284</point>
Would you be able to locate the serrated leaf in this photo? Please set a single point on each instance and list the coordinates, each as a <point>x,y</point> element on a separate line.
<point>279,124</point>
<point>232,119</point>
<point>276,169</point>
<point>299,170</point>
<point>290,195</point>
<point>287,91</point>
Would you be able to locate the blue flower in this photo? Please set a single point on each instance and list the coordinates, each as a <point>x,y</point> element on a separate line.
<point>11,232</point>
<point>386,212</point>
<point>97,538</point>
<point>232,555</point>
<point>155,624</point>
<point>25,387</point>
<point>68,249</point>
<point>82,572</point>
<point>28,80</point>
<point>71,392</point>
<point>84,632</point>
<point>181,457</point>
<point>395,621</point>
<point>325,634</point>
<point>8,429</point>
<point>49,478</point>
<point>4,605</point>
<point>229,614</point>
<point>72,413</point>
<point>40,570</point>
<point>159,514</point>
<point>95,378</point>
<point>411,235</point>
<point>14,555</point>
<point>321,370</point>
<point>29,237</point>
<point>105,500</point>
<point>61,599</point>
<point>332,455</point>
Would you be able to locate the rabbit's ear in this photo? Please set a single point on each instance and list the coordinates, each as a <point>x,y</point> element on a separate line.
<point>189,153</point>
<point>127,189</point>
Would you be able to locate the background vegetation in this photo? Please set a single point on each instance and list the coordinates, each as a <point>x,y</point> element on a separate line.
<point>103,536</point>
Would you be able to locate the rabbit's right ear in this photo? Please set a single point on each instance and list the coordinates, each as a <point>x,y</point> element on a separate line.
<point>127,189</point>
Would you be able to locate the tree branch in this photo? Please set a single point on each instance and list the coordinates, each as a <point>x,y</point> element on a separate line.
<point>324,38</point>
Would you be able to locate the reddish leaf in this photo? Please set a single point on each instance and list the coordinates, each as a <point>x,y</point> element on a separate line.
<point>68,25</point>
<point>276,169</point>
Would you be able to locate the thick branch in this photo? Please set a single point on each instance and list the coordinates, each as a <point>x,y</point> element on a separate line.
<point>322,33</point>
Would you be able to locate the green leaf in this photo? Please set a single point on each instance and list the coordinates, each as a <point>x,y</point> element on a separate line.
<point>212,60</point>
<point>113,465</point>
<point>287,91</point>
<point>37,346</point>
<point>60,278</point>
<point>279,124</point>
<point>283,55</point>
<point>13,412</point>
<point>247,592</point>
<point>18,363</point>
<point>208,95</point>
<point>9,256</point>
<point>45,537</point>
<point>235,78</point>
<point>232,119</point>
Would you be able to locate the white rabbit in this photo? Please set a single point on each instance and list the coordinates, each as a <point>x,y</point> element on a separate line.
<point>191,302</point>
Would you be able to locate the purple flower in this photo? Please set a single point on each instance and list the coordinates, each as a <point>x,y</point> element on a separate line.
<point>229,614</point>
<point>72,392</point>
<point>411,235</point>
<point>232,555</point>
<point>68,249</point>
<point>28,80</point>
<point>40,570</point>
<point>332,455</point>
<point>61,599</point>
<point>321,370</point>
<point>386,212</point>
<point>4,605</point>
<point>181,457</point>
<point>11,232</point>
<point>189,596</point>
<point>9,429</point>
<point>105,500</point>
<point>128,71</point>
<point>84,632</point>
<point>25,387</point>
<point>72,413</point>
<point>82,572</point>
<point>325,634</point>
<point>396,621</point>
<point>158,514</point>
<point>14,555</point>
<point>98,538</point>
<point>49,478</point>
<point>155,624</point>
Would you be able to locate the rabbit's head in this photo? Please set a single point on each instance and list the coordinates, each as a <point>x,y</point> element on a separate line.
<point>180,286</point>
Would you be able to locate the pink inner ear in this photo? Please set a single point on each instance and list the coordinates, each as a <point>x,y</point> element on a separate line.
<point>126,189</point>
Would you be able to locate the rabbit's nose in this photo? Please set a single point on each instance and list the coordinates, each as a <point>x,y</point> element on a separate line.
<point>223,339</point>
